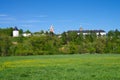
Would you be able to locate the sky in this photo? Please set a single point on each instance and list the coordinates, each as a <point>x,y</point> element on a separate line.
<point>64,15</point>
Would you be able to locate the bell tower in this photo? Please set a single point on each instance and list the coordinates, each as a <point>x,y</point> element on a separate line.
<point>51,29</point>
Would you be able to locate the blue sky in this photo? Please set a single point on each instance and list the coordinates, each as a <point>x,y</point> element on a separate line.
<point>64,15</point>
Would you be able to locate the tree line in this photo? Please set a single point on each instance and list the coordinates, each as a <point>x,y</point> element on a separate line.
<point>66,43</point>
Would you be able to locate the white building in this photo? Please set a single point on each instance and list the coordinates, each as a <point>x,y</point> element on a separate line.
<point>87,32</point>
<point>26,34</point>
<point>15,32</point>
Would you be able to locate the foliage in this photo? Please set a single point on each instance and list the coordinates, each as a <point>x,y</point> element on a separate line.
<point>5,44</point>
<point>6,31</point>
<point>27,31</point>
<point>44,43</point>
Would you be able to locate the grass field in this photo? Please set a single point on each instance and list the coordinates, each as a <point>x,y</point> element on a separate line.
<point>61,67</point>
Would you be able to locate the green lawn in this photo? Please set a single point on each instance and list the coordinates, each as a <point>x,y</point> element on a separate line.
<point>61,67</point>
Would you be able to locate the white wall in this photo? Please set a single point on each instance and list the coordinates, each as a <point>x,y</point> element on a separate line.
<point>103,33</point>
<point>26,34</point>
<point>15,33</point>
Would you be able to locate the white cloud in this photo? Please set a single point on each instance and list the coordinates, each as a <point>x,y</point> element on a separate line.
<point>26,25</point>
<point>34,21</point>
<point>7,19</point>
<point>3,15</point>
<point>41,16</point>
<point>64,20</point>
<point>4,22</point>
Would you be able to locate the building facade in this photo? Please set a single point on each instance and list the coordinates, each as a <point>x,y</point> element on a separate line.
<point>87,32</point>
<point>15,32</point>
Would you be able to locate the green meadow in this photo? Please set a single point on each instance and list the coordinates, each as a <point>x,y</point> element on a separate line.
<point>61,67</point>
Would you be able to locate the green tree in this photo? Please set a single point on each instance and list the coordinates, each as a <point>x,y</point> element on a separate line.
<point>100,45</point>
<point>73,48</point>
<point>20,31</point>
<point>27,31</point>
<point>71,36</point>
<point>6,31</point>
<point>5,44</point>
<point>79,39</point>
<point>64,38</point>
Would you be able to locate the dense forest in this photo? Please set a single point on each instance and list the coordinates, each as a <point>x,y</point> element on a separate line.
<point>66,43</point>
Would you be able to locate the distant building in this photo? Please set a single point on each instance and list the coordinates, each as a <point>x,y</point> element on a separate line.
<point>26,34</point>
<point>15,32</point>
<point>86,32</point>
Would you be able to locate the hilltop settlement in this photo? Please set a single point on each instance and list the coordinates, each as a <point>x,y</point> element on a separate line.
<point>14,41</point>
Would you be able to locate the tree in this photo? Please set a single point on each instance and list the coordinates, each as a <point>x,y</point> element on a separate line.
<point>80,39</point>
<point>27,31</point>
<point>5,44</point>
<point>6,31</point>
<point>100,45</point>
<point>64,38</point>
<point>21,31</point>
<point>72,36</point>
<point>73,48</point>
